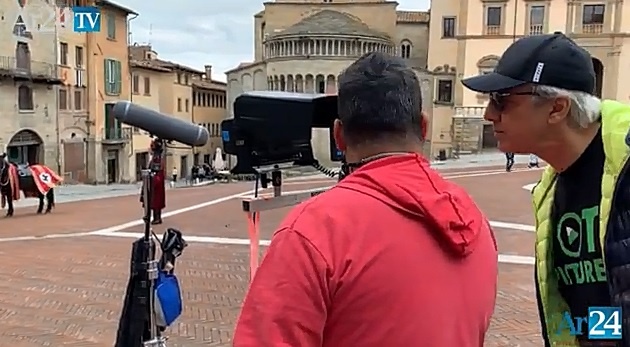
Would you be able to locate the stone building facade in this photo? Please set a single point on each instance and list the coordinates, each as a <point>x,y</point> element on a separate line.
<point>182,92</point>
<point>28,79</point>
<point>468,37</point>
<point>303,47</point>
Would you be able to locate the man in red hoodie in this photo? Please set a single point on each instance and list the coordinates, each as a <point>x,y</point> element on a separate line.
<point>393,255</point>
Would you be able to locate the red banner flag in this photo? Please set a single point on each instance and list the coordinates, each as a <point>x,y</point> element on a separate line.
<point>45,178</point>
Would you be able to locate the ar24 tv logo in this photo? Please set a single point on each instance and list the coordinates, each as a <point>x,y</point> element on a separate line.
<point>44,18</point>
<point>604,323</point>
<point>86,19</point>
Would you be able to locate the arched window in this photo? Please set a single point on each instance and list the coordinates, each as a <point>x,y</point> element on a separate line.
<point>405,49</point>
<point>25,98</point>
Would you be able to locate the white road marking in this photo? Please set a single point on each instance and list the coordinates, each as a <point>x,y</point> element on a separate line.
<point>190,239</point>
<point>516,259</point>
<point>43,237</point>
<point>127,225</point>
<point>513,226</point>
<point>170,213</point>
<point>503,258</point>
<point>529,187</point>
<point>447,175</point>
<point>123,226</point>
<point>488,173</point>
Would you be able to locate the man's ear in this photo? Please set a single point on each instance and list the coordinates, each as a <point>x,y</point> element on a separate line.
<point>559,110</point>
<point>338,135</point>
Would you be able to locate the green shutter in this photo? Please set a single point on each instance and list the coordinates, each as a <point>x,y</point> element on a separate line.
<point>107,127</point>
<point>118,77</point>
<point>113,77</point>
<point>111,26</point>
<point>106,80</point>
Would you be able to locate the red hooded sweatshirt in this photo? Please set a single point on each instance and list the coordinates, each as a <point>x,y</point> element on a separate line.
<point>392,256</point>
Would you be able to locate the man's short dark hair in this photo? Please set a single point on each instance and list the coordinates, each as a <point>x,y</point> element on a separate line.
<point>379,99</point>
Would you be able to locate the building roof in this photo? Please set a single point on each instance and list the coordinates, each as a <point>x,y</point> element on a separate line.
<point>214,85</point>
<point>412,16</point>
<point>328,22</point>
<point>116,6</point>
<point>244,65</point>
<point>175,66</point>
<point>149,65</point>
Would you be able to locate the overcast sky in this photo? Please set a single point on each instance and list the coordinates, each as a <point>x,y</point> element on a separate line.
<point>195,33</point>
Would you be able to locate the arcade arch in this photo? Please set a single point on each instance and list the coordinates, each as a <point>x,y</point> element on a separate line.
<point>26,147</point>
<point>304,83</point>
<point>324,47</point>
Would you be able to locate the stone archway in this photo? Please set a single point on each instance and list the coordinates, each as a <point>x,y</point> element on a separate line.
<point>26,147</point>
<point>599,77</point>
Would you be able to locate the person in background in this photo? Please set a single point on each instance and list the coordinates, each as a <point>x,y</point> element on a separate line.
<point>542,103</point>
<point>509,161</point>
<point>202,172</point>
<point>393,255</point>
<point>194,174</point>
<point>174,174</point>
<point>533,161</point>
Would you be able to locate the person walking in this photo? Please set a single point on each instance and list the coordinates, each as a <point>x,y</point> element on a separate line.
<point>542,102</point>
<point>393,255</point>
<point>509,161</point>
<point>174,174</point>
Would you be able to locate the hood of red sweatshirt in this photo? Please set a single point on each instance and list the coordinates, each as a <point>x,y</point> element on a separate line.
<point>408,184</point>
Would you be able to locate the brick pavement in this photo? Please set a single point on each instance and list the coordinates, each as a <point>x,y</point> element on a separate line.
<point>69,291</point>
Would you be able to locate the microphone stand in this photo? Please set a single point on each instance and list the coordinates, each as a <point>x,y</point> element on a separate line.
<point>150,265</point>
<point>138,324</point>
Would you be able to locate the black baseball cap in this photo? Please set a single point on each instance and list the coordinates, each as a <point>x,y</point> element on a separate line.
<point>553,60</point>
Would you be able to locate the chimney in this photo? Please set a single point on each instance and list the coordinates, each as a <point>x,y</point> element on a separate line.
<point>208,69</point>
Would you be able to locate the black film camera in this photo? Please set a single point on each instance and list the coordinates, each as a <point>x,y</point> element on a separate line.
<point>271,128</point>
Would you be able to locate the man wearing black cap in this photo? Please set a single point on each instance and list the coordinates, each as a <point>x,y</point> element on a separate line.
<point>542,102</point>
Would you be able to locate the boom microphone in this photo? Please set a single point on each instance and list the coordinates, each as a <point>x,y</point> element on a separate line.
<point>160,125</point>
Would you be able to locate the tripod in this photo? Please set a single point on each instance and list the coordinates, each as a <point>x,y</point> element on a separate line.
<point>139,325</point>
<point>155,338</point>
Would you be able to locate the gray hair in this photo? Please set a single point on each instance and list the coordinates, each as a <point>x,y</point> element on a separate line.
<point>585,108</point>
<point>379,99</point>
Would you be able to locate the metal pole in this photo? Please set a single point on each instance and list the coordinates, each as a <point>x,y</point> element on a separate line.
<point>56,90</point>
<point>151,264</point>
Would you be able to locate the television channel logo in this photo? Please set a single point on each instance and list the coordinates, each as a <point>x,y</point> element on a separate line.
<point>604,323</point>
<point>86,19</point>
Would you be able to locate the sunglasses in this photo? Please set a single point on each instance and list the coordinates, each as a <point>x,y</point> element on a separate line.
<point>498,98</point>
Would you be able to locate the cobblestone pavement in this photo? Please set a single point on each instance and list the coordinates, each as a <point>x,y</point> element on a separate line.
<point>68,290</point>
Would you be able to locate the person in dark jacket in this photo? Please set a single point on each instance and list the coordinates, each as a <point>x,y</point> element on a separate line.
<point>509,161</point>
<point>542,103</point>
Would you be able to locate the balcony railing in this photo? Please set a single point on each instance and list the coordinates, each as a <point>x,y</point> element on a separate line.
<point>117,135</point>
<point>36,71</point>
<point>592,28</point>
<point>493,30</point>
<point>470,112</point>
<point>536,29</point>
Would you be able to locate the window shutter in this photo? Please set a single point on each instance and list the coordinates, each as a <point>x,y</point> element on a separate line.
<point>118,77</point>
<point>111,26</point>
<point>107,74</point>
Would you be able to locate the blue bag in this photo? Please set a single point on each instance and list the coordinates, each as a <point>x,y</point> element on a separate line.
<point>168,304</point>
